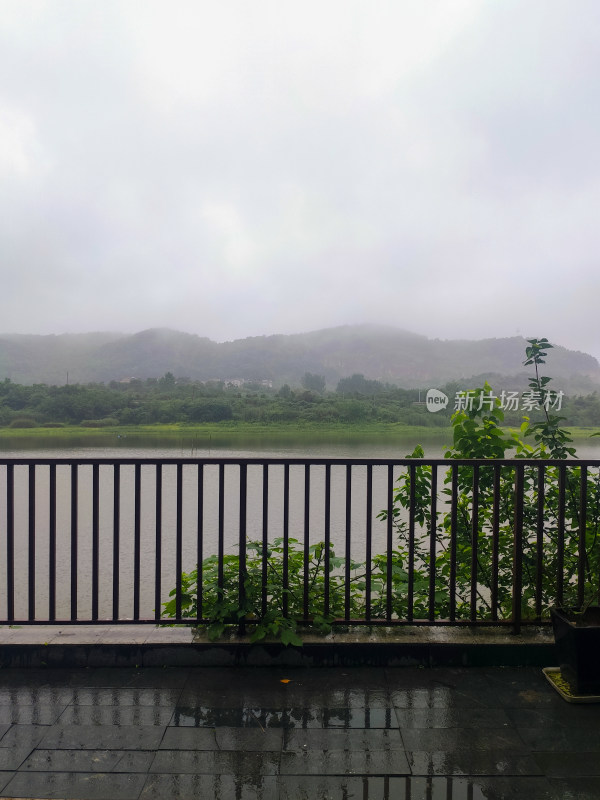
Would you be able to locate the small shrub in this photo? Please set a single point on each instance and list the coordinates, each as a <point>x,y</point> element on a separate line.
<point>53,425</point>
<point>220,602</point>
<point>23,422</point>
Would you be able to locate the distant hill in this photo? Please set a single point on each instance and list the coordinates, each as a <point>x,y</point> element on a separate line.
<point>387,354</point>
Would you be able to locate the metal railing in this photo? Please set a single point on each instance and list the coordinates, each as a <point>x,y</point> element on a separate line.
<point>472,542</point>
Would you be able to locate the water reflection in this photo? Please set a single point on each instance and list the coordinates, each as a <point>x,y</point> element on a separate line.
<point>288,718</point>
<point>281,738</point>
<point>309,787</point>
<point>230,445</point>
<point>247,445</point>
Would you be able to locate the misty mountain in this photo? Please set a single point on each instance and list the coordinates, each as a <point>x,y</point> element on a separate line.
<point>383,353</point>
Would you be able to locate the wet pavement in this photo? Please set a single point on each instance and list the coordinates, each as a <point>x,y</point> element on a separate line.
<point>366,733</point>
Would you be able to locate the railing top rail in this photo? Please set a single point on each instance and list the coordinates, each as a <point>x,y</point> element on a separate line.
<point>306,460</point>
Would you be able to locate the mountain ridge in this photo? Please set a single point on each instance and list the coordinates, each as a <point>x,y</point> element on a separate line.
<point>384,353</point>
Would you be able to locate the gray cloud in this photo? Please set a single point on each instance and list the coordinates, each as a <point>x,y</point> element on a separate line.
<point>238,169</point>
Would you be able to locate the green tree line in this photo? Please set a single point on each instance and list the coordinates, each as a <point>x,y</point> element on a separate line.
<point>356,400</point>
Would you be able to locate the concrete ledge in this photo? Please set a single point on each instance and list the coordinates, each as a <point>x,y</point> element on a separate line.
<point>149,646</point>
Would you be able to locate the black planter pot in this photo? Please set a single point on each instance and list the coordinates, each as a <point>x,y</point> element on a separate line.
<point>577,638</point>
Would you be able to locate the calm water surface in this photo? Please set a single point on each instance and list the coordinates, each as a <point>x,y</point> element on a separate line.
<point>434,444</point>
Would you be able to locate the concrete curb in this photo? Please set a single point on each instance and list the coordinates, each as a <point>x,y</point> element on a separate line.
<point>145,646</point>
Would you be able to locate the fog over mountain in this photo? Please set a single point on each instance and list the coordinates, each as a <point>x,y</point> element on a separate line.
<point>387,354</point>
<point>231,169</point>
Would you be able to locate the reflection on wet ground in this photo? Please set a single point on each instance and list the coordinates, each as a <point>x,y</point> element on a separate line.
<point>223,733</point>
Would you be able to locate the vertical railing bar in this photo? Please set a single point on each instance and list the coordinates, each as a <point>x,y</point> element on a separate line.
<point>348,548</point>
<point>116,540</point>
<point>597,480</point>
<point>474,544</point>
<point>265,537</point>
<point>411,545</point>
<point>286,539</point>
<point>432,542</point>
<point>495,543</point>
<point>539,567</point>
<point>581,560</point>
<point>518,549</point>
<point>389,541</point>
<point>221,532</point>
<point>179,538</point>
<point>95,538</point>
<point>52,544</point>
<point>158,481</point>
<point>327,538</point>
<point>560,556</point>
<point>453,540</point>
<point>369,537</point>
<point>74,538</point>
<point>10,542</point>
<point>31,551</point>
<point>200,544</point>
<point>137,541</point>
<point>242,546</point>
<point>306,578</point>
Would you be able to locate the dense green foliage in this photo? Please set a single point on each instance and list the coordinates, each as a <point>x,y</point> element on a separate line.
<point>170,400</point>
<point>276,611</point>
<point>467,546</point>
<point>166,400</point>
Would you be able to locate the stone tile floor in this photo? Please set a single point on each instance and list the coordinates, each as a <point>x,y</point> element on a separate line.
<point>241,733</point>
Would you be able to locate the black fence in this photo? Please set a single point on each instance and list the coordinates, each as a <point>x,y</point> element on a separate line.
<point>374,542</point>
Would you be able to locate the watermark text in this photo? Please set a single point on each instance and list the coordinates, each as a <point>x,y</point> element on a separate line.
<point>471,400</point>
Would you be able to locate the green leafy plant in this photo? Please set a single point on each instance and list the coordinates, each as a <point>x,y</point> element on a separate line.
<point>559,534</point>
<point>551,439</point>
<point>277,609</point>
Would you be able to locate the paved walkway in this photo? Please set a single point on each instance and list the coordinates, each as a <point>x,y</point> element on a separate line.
<point>239,733</point>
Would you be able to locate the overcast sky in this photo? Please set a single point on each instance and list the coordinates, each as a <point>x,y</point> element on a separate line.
<point>233,168</point>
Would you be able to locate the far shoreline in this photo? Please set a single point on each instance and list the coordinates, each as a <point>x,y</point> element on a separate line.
<point>205,432</point>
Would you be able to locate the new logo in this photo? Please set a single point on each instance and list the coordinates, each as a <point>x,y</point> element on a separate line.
<point>436,400</point>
